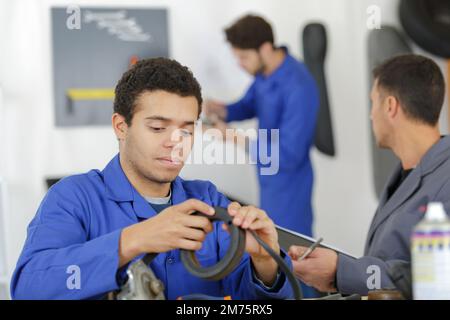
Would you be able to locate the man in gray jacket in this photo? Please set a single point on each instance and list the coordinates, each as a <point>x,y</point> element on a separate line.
<point>407,98</point>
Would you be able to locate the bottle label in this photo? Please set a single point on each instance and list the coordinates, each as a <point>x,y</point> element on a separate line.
<point>431,265</point>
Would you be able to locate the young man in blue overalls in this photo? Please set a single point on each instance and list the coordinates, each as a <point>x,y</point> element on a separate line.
<point>98,222</point>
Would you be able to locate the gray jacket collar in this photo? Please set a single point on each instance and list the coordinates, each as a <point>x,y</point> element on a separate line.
<point>438,153</point>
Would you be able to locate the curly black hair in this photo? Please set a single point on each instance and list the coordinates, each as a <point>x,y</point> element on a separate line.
<point>150,75</point>
<point>249,32</point>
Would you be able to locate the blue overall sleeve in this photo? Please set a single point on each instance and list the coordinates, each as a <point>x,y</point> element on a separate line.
<point>244,108</point>
<point>58,249</point>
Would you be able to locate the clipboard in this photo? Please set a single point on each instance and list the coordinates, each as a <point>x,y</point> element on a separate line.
<point>287,238</point>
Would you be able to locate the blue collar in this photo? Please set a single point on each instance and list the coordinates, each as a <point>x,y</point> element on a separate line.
<point>118,188</point>
<point>283,69</point>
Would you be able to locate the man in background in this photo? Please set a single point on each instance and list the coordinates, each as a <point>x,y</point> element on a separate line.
<point>283,96</point>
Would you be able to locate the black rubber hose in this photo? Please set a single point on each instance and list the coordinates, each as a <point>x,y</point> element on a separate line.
<point>234,255</point>
<point>231,258</point>
<point>298,295</point>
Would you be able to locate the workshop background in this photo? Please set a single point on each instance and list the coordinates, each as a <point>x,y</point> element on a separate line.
<point>36,147</point>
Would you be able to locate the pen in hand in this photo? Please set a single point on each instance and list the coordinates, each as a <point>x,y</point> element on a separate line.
<point>310,249</point>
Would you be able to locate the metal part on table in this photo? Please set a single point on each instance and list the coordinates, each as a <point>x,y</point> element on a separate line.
<point>142,284</point>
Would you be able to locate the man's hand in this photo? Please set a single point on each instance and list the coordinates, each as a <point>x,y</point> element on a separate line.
<point>318,269</point>
<point>252,218</point>
<point>217,113</point>
<point>173,228</point>
<point>215,110</point>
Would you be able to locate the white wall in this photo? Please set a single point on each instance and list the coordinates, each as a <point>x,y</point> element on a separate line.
<point>32,148</point>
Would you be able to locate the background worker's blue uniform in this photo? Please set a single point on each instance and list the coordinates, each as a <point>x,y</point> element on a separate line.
<point>79,223</point>
<point>287,100</point>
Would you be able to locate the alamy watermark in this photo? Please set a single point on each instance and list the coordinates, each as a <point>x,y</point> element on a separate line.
<point>73,281</point>
<point>117,23</point>
<point>261,147</point>
<point>374,280</point>
<point>373,17</point>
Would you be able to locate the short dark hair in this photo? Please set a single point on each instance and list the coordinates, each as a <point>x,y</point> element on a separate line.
<point>151,75</point>
<point>249,32</point>
<point>417,82</point>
